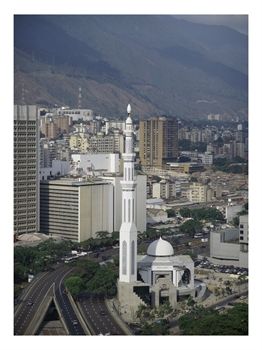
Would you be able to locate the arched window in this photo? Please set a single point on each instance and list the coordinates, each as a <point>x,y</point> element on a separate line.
<point>124,257</point>
<point>186,277</point>
<point>133,257</point>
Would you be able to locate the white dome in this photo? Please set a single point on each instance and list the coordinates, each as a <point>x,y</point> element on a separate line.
<point>160,247</point>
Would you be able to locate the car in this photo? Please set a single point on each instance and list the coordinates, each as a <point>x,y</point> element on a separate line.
<point>102,313</point>
<point>75,322</point>
<point>30,303</point>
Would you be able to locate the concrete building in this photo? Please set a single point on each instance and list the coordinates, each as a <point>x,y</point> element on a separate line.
<point>207,158</point>
<point>115,124</point>
<point>78,113</point>
<point>101,143</point>
<point>230,246</point>
<point>79,142</point>
<point>158,141</point>
<point>243,240</point>
<point>58,168</point>
<point>165,189</point>
<point>97,163</point>
<point>75,209</point>
<point>26,169</point>
<point>199,193</point>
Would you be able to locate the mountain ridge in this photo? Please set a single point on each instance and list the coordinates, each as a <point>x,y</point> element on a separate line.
<point>158,63</point>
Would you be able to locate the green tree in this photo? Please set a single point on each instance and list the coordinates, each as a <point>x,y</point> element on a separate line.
<point>185,212</point>
<point>202,321</point>
<point>191,227</point>
<point>75,285</point>
<point>171,213</point>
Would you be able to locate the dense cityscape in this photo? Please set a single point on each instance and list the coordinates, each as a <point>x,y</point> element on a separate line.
<point>131,219</point>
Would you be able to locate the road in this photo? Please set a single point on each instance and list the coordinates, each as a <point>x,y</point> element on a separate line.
<point>98,317</point>
<point>30,301</point>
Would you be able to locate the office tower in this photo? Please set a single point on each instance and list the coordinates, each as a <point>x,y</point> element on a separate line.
<point>158,141</point>
<point>26,183</point>
<point>75,209</point>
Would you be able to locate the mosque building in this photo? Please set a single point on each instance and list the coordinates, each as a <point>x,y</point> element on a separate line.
<point>158,276</point>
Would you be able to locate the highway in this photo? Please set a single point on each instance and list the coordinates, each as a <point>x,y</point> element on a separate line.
<point>68,312</point>
<point>30,301</point>
<point>98,317</point>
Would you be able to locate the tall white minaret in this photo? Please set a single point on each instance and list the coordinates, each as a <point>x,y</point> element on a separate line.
<point>128,230</point>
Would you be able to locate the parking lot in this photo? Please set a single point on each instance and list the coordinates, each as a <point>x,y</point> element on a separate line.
<point>233,270</point>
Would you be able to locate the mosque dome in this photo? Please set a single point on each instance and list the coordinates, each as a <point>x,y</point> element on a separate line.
<point>160,247</point>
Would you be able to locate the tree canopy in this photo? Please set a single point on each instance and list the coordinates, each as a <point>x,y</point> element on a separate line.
<point>202,321</point>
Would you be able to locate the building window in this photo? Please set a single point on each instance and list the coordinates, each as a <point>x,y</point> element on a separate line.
<point>241,238</point>
<point>133,258</point>
<point>124,257</point>
<point>124,210</point>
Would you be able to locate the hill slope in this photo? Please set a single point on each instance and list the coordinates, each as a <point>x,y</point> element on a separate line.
<point>158,63</point>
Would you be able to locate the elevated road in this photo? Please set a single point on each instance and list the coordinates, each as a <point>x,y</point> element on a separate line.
<point>38,291</point>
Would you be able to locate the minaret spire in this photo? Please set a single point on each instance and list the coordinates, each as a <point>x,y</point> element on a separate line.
<point>128,230</point>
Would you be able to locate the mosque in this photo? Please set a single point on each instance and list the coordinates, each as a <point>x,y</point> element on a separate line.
<point>158,276</point>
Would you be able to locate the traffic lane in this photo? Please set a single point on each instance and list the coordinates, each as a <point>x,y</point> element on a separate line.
<point>99,318</point>
<point>69,315</point>
<point>34,296</point>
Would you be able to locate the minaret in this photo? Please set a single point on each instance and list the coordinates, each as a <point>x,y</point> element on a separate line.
<point>128,230</point>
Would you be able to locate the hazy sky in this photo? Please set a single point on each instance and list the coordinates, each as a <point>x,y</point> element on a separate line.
<point>237,22</point>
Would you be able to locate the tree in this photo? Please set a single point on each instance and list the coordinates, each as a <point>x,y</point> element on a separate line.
<point>191,227</point>
<point>171,213</point>
<point>185,212</point>
<point>236,221</point>
<point>103,282</point>
<point>202,321</point>
<point>75,285</point>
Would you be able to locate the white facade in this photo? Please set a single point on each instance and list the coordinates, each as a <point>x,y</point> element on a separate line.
<point>85,114</point>
<point>128,230</point>
<point>98,162</point>
<point>140,201</point>
<point>160,262</point>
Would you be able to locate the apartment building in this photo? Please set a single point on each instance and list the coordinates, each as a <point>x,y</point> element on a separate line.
<point>158,141</point>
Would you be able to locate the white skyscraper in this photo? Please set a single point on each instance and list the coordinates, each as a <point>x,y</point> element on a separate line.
<point>128,230</point>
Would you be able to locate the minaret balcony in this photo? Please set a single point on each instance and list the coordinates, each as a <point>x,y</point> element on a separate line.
<point>129,157</point>
<point>128,185</point>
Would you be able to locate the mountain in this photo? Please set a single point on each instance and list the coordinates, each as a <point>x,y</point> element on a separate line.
<point>160,64</point>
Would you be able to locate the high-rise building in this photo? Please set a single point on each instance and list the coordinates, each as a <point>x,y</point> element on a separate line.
<point>158,141</point>
<point>26,169</point>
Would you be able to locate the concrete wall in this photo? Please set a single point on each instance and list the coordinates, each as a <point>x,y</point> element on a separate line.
<point>231,211</point>
<point>222,250</point>
<point>95,210</point>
